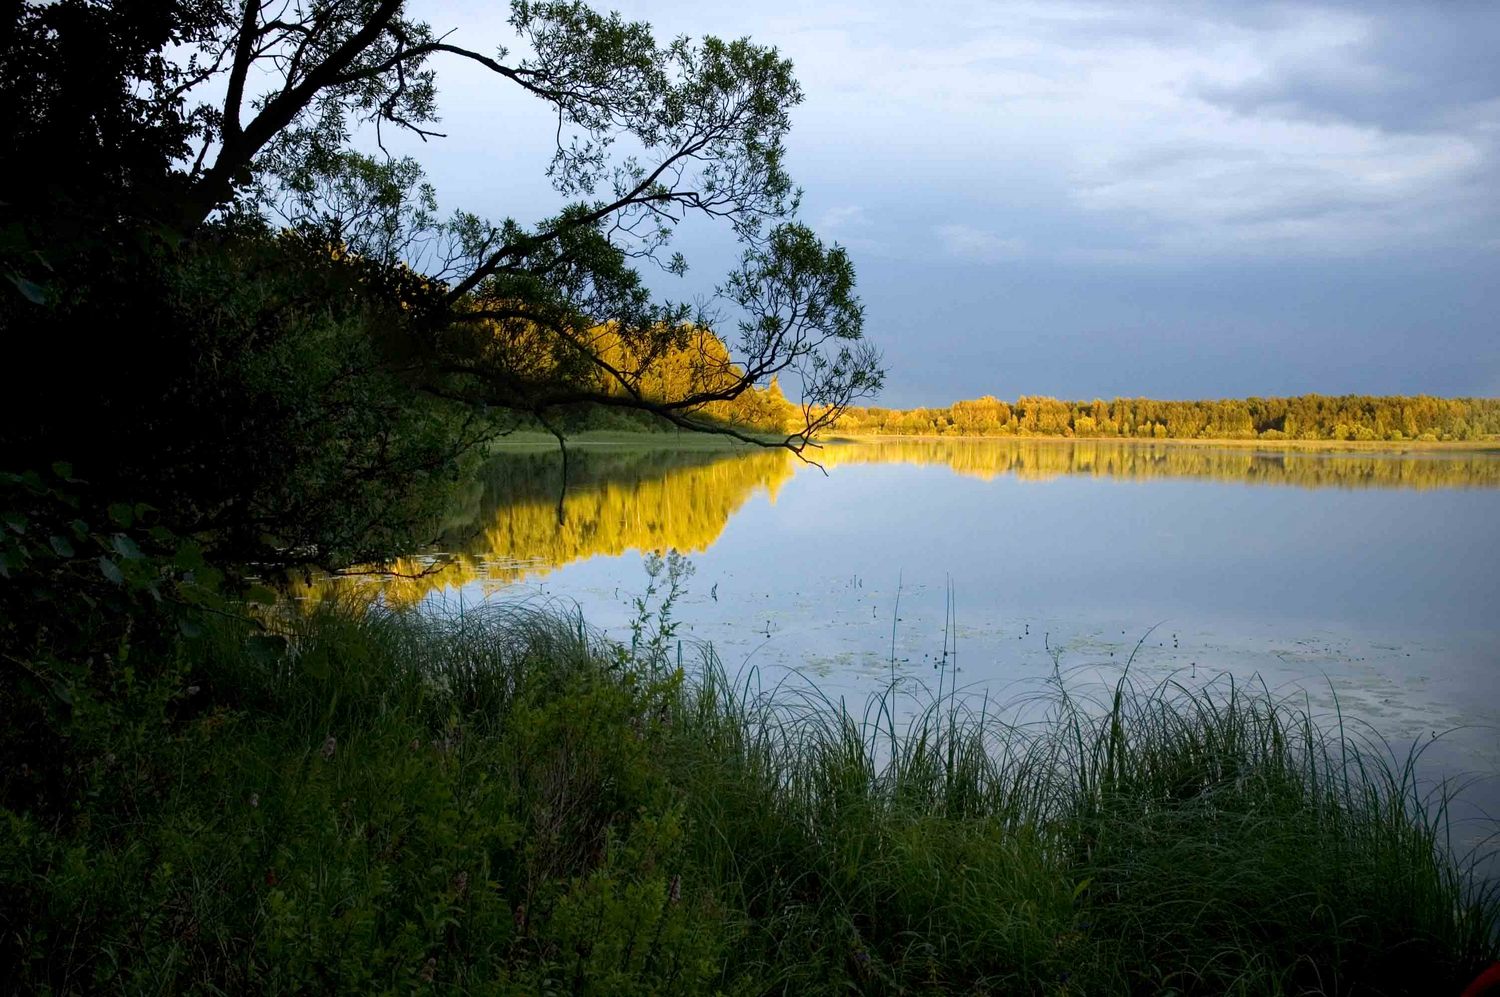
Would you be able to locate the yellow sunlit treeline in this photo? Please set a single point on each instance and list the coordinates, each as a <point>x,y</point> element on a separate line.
<point>1304,417</point>
<point>700,362</point>
<point>663,364</point>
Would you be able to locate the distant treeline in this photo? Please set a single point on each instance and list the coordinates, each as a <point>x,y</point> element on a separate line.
<point>1305,417</point>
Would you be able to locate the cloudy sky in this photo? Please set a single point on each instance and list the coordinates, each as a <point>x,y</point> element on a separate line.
<point>1114,198</point>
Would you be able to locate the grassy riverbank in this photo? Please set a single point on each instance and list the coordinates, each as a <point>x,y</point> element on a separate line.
<point>506,803</point>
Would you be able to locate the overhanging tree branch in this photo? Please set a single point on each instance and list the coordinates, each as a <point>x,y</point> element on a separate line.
<point>710,119</point>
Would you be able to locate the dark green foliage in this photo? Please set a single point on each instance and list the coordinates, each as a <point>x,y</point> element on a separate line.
<point>98,605</point>
<point>235,382</point>
<point>90,143</point>
<point>252,391</point>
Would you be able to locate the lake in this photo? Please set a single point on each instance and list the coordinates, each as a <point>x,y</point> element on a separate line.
<point>1367,581</point>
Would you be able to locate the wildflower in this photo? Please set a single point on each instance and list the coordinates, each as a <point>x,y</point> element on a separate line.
<point>330,745</point>
<point>254,800</point>
<point>429,970</point>
<point>192,690</point>
<point>271,879</point>
<point>520,917</point>
<point>461,883</point>
<point>674,891</point>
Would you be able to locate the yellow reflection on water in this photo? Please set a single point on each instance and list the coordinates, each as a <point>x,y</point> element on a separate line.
<point>507,529</point>
<point>1039,460</point>
<point>615,502</point>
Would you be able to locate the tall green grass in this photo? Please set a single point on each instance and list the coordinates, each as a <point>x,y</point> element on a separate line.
<point>505,802</point>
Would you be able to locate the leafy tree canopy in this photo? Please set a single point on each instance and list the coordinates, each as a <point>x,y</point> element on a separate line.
<point>240,305</point>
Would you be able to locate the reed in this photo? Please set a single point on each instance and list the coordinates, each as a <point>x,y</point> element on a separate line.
<point>503,801</point>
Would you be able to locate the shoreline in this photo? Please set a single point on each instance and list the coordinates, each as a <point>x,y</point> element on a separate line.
<point>529,439</point>
<point>534,440</point>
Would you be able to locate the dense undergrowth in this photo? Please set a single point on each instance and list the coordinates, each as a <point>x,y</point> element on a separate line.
<point>360,800</point>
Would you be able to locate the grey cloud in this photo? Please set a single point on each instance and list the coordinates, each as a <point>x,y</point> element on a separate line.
<point>1422,68</point>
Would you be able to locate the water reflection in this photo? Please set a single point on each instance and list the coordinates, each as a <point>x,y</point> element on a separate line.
<point>511,526</point>
<point>506,526</point>
<point>1044,459</point>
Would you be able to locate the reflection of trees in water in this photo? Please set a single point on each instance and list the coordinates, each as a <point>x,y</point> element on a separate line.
<point>1041,459</point>
<point>505,526</point>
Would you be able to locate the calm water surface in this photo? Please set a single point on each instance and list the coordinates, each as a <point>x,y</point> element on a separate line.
<point>1366,579</point>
